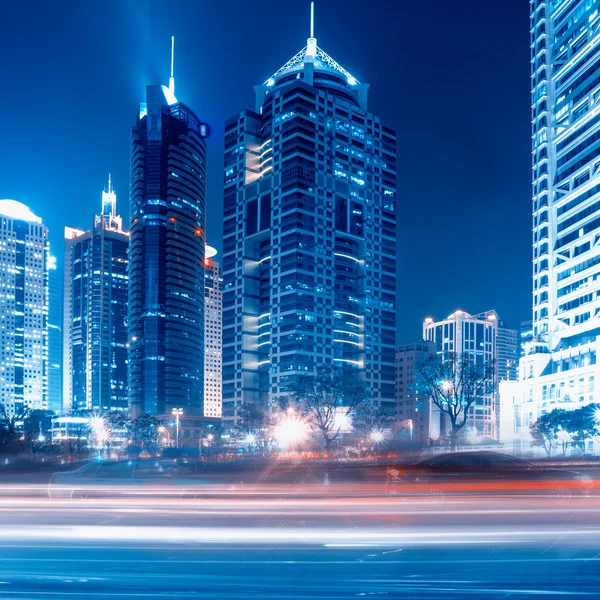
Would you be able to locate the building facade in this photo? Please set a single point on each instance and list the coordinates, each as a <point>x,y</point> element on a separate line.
<point>507,348</point>
<point>413,411</point>
<point>475,336</point>
<point>559,369</point>
<point>95,313</point>
<point>309,250</point>
<point>55,348</point>
<point>166,256</point>
<point>213,334</point>
<point>23,308</point>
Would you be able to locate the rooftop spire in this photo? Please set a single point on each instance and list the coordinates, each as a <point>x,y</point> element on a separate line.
<point>311,44</point>
<point>172,78</point>
<point>108,218</point>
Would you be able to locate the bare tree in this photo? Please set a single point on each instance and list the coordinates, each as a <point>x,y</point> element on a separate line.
<point>454,383</point>
<point>252,418</point>
<point>9,422</point>
<point>320,398</point>
<point>369,418</point>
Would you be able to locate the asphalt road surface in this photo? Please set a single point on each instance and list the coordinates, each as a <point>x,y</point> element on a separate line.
<point>320,548</point>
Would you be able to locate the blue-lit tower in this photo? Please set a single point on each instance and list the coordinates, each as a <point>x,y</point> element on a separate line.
<point>23,309</point>
<point>166,271</point>
<point>309,236</point>
<point>95,313</point>
<point>560,367</point>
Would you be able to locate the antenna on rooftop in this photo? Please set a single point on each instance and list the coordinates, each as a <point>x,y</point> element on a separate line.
<point>172,78</point>
<point>311,44</point>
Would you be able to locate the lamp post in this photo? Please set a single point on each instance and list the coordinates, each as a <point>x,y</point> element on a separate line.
<point>177,412</point>
<point>165,432</point>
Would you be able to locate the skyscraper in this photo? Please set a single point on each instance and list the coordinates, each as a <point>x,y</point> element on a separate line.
<point>309,250</point>
<point>23,308</point>
<point>95,312</point>
<point>213,334</point>
<point>166,254</point>
<point>560,366</point>
<point>55,350</point>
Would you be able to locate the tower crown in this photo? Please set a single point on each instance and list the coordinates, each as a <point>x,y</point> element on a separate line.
<point>315,67</point>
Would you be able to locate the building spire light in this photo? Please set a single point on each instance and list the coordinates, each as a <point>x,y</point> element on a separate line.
<point>172,78</point>
<point>311,44</point>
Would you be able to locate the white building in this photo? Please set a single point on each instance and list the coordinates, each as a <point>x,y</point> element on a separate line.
<point>485,338</point>
<point>23,308</point>
<point>560,368</point>
<point>213,311</point>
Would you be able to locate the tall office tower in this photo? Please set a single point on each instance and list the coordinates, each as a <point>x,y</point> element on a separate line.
<point>55,306</point>
<point>309,250</point>
<point>560,365</point>
<point>166,254</point>
<point>507,348</point>
<point>213,334</point>
<point>475,336</point>
<point>23,308</point>
<point>413,411</point>
<point>95,312</point>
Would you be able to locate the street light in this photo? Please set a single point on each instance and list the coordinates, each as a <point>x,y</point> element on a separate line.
<point>163,430</point>
<point>290,430</point>
<point>177,412</point>
<point>377,436</point>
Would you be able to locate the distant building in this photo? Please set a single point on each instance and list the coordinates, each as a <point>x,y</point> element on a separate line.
<point>55,344</point>
<point>413,412</point>
<point>23,308</point>
<point>213,309</point>
<point>166,256</point>
<point>507,348</point>
<point>525,337</point>
<point>462,333</point>
<point>95,313</point>
<point>309,237</point>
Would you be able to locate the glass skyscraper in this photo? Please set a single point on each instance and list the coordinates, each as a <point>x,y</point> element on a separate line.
<point>55,344</point>
<point>95,313</point>
<point>166,254</point>
<point>309,249</point>
<point>559,368</point>
<point>23,308</point>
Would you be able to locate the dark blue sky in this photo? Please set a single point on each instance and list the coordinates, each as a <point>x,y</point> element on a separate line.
<point>451,77</point>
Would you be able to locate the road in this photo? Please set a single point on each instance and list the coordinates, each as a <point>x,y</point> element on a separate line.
<point>320,548</point>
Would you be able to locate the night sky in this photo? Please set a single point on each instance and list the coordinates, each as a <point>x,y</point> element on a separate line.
<point>451,77</point>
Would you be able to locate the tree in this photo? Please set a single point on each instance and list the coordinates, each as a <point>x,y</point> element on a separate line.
<point>9,423</point>
<point>581,424</point>
<point>545,431</point>
<point>252,418</point>
<point>325,396</point>
<point>369,418</point>
<point>454,383</point>
<point>144,432</point>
